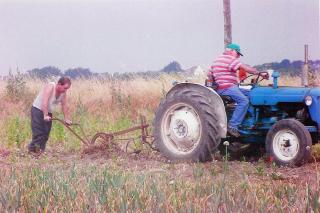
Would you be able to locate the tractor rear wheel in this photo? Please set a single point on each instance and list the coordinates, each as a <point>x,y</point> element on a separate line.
<point>288,143</point>
<point>186,127</point>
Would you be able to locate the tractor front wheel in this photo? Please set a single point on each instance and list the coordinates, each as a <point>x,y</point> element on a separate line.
<point>288,143</point>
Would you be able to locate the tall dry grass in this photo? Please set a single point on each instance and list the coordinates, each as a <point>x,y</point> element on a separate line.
<point>99,104</point>
<point>115,98</point>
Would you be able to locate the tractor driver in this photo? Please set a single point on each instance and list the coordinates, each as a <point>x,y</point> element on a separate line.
<point>224,72</point>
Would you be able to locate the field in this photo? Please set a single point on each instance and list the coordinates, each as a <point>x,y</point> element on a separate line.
<point>67,179</point>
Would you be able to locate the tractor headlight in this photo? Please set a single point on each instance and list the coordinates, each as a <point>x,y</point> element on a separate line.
<point>308,100</point>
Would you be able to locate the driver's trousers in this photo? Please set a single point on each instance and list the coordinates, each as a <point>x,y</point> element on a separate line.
<point>241,97</point>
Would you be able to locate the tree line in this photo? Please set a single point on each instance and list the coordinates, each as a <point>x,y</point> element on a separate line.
<point>86,73</point>
<point>290,67</point>
<point>285,66</point>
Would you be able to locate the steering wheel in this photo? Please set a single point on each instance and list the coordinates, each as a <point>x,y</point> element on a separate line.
<point>254,81</point>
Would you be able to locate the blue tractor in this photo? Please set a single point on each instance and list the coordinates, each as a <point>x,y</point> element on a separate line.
<point>191,121</point>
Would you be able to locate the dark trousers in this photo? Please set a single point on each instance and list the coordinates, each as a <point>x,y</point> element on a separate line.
<point>40,130</point>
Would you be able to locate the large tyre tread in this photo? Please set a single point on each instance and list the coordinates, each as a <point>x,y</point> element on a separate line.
<point>211,117</point>
<point>210,121</point>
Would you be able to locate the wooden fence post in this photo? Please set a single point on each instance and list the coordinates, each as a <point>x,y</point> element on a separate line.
<point>227,22</point>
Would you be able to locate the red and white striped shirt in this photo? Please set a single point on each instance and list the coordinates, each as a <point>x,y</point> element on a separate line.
<point>224,70</point>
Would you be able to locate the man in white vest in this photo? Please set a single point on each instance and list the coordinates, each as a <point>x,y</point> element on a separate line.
<point>41,112</point>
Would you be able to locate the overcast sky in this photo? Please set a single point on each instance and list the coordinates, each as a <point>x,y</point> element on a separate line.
<point>139,35</point>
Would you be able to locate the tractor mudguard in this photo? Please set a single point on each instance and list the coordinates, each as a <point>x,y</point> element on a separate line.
<point>213,98</point>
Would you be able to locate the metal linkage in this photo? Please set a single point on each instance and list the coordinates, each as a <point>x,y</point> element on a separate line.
<point>110,138</point>
<point>85,141</point>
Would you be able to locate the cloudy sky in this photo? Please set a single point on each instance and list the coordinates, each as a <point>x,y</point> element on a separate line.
<point>139,35</point>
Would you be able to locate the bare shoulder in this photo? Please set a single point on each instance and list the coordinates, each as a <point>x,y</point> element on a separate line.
<point>48,87</point>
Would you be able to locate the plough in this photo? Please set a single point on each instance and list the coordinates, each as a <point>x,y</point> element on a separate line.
<point>107,139</point>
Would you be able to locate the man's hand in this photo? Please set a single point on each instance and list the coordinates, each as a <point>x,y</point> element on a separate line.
<point>68,122</point>
<point>264,75</point>
<point>47,118</point>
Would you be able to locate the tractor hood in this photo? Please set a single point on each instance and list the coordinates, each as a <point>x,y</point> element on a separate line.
<point>273,96</point>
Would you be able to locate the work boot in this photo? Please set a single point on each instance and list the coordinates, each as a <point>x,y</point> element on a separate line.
<point>34,154</point>
<point>233,131</point>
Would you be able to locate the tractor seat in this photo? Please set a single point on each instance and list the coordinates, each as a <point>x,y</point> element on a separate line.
<point>227,99</point>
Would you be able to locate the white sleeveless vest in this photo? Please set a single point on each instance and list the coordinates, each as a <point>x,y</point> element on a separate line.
<point>52,99</point>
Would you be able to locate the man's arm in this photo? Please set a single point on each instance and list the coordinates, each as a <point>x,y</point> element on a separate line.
<point>65,109</point>
<point>254,71</point>
<point>47,91</point>
<point>249,69</point>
